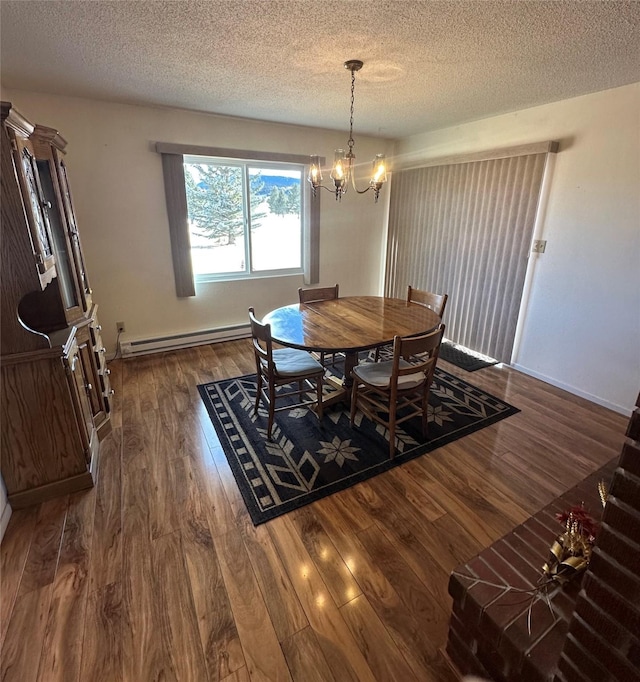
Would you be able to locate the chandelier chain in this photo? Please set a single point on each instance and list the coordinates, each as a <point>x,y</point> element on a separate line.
<point>351,142</point>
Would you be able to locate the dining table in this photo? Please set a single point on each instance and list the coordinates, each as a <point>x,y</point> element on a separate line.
<point>348,325</point>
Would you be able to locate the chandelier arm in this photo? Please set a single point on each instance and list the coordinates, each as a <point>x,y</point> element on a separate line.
<point>337,193</point>
<point>376,189</point>
<point>353,184</point>
<point>362,191</point>
<point>329,189</point>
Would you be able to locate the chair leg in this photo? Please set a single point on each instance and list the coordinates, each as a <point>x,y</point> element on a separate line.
<point>272,410</point>
<point>319,391</point>
<point>425,415</point>
<point>392,431</point>
<point>258,392</point>
<point>354,400</point>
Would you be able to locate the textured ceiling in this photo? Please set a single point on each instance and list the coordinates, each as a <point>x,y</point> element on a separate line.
<point>428,65</point>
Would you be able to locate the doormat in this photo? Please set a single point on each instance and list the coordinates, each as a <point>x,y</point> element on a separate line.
<point>464,357</point>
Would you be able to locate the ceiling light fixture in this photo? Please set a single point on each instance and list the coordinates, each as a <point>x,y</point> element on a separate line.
<point>343,162</point>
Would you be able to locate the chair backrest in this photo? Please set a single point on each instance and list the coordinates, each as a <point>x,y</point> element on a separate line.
<point>437,302</point>
<point>318,294</point>
<point>261,337</point>
<point>421,351</point>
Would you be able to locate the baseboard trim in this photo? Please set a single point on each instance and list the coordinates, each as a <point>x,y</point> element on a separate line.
<point>162,344</point>
<point>73,484</point>
<point>576,391</point>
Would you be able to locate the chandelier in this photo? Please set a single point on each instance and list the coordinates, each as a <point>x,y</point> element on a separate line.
<point>343,162</point>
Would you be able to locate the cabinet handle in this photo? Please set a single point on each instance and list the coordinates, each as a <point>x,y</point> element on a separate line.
<point>89,387</point>
<point>102,350</point>
<point>46,204</point>
<point>107,372</point>
<point>111,392</point>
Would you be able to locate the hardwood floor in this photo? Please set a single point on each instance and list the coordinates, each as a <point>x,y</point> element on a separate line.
<point>157,573</point>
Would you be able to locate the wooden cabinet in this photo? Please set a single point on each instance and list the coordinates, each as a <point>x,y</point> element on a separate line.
<point>56,393</point>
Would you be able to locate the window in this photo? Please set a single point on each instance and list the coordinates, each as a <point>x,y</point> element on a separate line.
<point>245,218</point>
<point>236,214</point>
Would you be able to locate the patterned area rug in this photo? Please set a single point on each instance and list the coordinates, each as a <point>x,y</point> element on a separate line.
<point>308,460</point>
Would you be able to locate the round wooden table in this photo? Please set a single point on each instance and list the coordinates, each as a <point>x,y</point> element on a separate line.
<point>348,325</point>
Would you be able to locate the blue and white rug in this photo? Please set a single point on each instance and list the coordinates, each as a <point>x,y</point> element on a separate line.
<point>307,460</point>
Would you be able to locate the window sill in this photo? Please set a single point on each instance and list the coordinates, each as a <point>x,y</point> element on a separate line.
<point>234,277</point>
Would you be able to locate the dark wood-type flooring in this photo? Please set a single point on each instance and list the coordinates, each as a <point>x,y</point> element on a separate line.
<point>157,573</point>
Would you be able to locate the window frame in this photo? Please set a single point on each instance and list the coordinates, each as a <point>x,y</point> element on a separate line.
<point>175,195</point>
<point>246,166</point>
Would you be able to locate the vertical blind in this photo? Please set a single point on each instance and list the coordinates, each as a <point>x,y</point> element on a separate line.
<point>465,229</point>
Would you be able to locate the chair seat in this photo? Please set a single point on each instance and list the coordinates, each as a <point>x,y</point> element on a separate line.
<point>379,374</point>
<point>290,362</point>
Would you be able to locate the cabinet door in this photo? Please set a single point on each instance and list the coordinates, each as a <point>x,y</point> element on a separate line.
<point>65,269</point>
<point>81,387</point>
<point>48,439</point>
<point>94,391</point>
<point>101,363</point>
<point>34,204</point>
<point>73,231</point>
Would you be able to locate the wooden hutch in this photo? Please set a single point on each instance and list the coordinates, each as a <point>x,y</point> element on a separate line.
<point>54,406</point>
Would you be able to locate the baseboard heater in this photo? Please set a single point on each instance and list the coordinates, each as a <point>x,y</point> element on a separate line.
<point>162,344</point>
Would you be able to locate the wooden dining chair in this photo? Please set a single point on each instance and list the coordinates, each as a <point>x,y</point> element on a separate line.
<point>277,367</point>
<point>318,294</point>
<point>392,391</point>
<point>437,303</point>
<point>314,295</point>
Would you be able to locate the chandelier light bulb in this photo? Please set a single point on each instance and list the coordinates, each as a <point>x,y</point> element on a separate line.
<point>379,170</point>
<point>315,172</point>
<point>338,171</point>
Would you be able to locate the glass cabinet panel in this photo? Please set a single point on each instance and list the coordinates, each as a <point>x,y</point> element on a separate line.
<point>71,220</point>
<point>35,200</point>
<point>64,260</point>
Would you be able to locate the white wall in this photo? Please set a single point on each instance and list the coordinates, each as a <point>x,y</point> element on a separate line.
<point>580,326</point>
<point>117,185</point>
